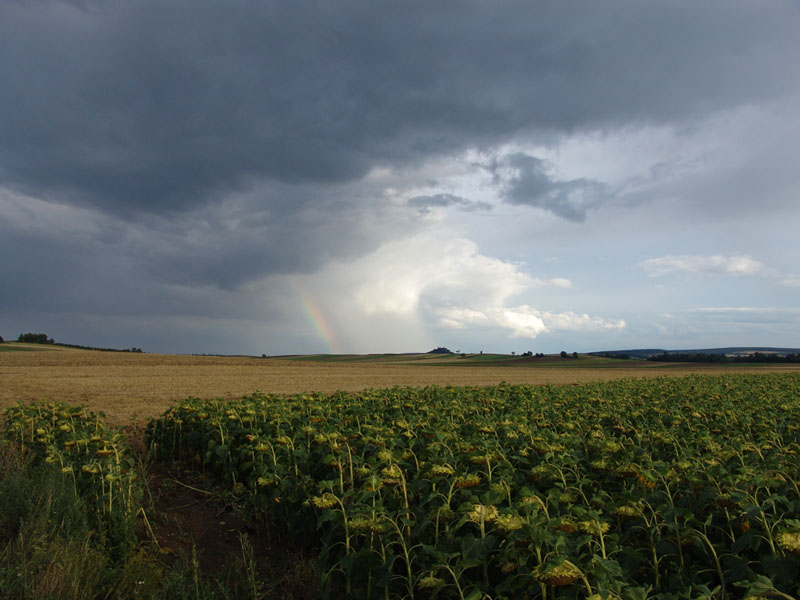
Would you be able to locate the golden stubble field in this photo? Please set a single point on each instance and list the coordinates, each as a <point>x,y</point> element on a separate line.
<point>133,387</point>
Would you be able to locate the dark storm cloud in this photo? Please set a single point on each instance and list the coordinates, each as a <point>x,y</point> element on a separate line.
<point>160,107</point>
<point>532,185</point>
<point>165,155</point>
<point>73,259</point>
<point>240,240</point>
<point>108,267</point>
<point>425,203</point>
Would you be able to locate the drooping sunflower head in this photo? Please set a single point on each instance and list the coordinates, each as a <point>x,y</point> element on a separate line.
<point>593,527</point>
<point>563,574</point>
<point>441,470</point>
<point>534,501</point>
<point>790,541</point>
<point>391,475</point>
<point>506,523</point>
<point>430,582</point>
<point>628,511</point>
<point>482,513</point>
<point>467,481</point>
<point>327,500</point>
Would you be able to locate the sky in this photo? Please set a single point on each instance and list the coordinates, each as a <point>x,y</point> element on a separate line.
<point>270,177</point>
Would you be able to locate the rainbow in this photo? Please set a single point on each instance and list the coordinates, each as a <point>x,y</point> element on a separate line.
<point>317,319</point>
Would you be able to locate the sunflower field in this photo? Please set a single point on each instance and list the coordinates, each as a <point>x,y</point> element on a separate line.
<point>658,488</point>
<point>93,458</point>
<point>69,497</point>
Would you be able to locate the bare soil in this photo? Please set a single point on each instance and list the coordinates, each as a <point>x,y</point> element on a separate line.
<point>190,520</point>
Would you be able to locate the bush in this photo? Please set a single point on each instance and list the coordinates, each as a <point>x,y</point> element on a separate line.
<point>440,350</point>
<point>35,338</point>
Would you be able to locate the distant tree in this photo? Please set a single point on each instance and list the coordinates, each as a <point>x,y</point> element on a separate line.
<point>34,338</point>
<point>574,355</point>
<point>440,350</point>
<point>1,339</point>
<point>563,354</point>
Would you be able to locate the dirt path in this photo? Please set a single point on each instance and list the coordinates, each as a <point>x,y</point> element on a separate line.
<point>190,520</point>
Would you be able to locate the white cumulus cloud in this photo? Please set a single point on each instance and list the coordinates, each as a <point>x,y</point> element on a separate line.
<point>555,282</point>
<point>434,271</point>
<point>741,264</point>
<point>437,279</point>
<point>791,281</point>
<point>736,265</point>
<point>526,321</point>
<point>458,317</point>
<point>522,321</point>
<point>570,321</point>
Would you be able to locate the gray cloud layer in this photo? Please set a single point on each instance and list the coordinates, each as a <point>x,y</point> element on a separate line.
<point>532,185</point>
<point>154,107</point>
<point>426,203</point>
<point>159,156</point>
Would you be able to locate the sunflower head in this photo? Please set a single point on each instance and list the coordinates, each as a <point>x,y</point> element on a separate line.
<point>482,513</point>
<point>628,511</point>
<point>467,481</point>
<point>327,500</point>
<point>593,527</point>
<point>563,574</point>
<point>441,470</point>
<point>790,541</point>
<point>430,582</point>
<point>506,523</point>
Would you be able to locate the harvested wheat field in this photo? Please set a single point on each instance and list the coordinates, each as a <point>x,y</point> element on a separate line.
<point>133,387</point>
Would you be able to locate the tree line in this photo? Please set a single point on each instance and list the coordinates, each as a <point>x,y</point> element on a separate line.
<point>43,338</point>
<point>35,338</point>
<point>755,357</point>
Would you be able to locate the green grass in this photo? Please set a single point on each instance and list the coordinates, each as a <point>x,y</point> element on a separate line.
<point>477,360</point>
<point>345,357</point>
<point>489,359</point>
<point>550,361</point>
<point>7,348</point>
<point>362,358</point>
